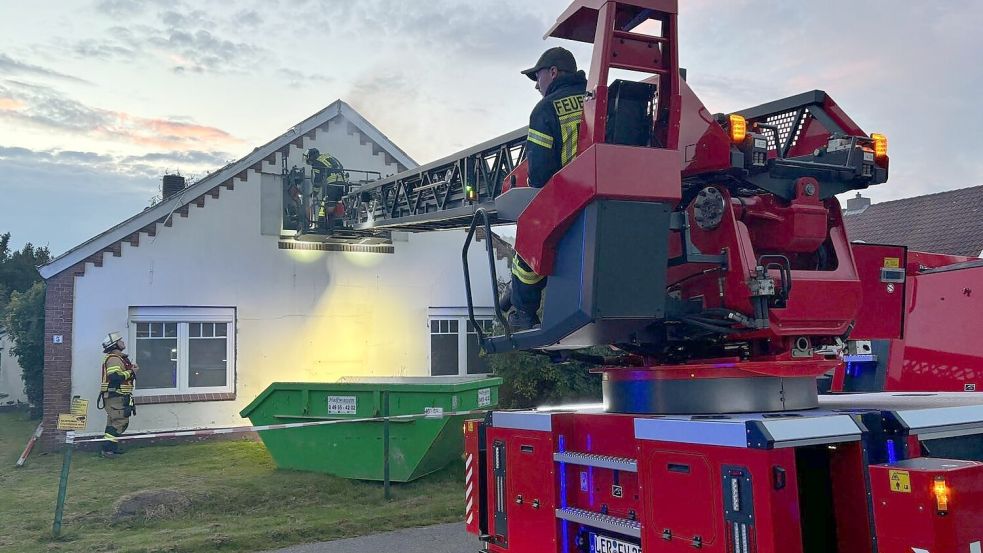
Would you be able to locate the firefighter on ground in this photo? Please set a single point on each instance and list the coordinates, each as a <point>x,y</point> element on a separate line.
<point>328,182</point>
<point>116,394</point>
<point>551,144</point>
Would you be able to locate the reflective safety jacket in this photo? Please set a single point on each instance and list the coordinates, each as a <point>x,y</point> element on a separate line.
<point>554,127</point>
<point>327,170</point>
<point>117,375</point>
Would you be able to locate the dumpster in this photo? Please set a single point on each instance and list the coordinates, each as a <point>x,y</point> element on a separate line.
<point>417,446</point>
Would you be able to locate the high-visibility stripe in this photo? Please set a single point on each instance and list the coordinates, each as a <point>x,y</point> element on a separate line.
<point>570,132</point>
<point>537,142</point>
<point>122,372</point>
<point>572,117</point>
<point>110,437</point>
<point>527,277</point>
<point>540,138</point>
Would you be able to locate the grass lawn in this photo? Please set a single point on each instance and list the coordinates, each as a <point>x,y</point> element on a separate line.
<point>240,502</point>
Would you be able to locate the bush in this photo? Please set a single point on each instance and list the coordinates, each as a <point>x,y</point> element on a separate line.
<point>532,380</point>
<point>25,322</point>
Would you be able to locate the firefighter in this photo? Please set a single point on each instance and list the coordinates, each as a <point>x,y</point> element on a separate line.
<point>327,180</point>
<point>116,394</point>
<point>551,144</point>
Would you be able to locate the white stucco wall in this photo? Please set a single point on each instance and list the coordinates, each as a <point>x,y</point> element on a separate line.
<point>301,315</point>
<point>11,384</point>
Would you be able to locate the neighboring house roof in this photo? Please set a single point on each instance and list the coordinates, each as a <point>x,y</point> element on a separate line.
<point>163,212</point>
<point>947,222</point>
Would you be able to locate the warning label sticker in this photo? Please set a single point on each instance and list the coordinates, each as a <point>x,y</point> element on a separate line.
<point>68,421</point>
<point>900,481</point>
<point>79,406</point>
<point>433,412</point>
<point>342,405</point>
<point>484,397</point>
<point>892,262</point>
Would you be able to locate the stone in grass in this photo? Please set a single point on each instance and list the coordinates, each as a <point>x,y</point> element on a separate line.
<point>150,505</point>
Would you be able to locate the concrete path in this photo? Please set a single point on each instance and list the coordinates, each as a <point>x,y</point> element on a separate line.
<point>443,538</point>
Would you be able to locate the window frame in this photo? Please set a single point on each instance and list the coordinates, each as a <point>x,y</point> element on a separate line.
<point>460,314</point>
<point>184,317</point>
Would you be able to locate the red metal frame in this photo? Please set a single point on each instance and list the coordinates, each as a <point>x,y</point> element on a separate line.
<point>939,312</point>
<point>909,521</point>
<point>605,171</point>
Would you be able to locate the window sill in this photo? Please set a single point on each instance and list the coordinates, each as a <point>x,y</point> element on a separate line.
<point>184,398</point>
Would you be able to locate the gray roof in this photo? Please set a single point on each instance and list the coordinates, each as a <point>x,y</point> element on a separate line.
<point>107,239</point>
<point>948,222</point>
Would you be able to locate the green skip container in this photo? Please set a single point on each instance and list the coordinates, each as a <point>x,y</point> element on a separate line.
<point>417,446</point>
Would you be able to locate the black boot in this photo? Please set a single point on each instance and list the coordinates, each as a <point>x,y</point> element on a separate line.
<point>520,320</point>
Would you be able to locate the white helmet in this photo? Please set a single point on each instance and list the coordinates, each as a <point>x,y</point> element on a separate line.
<point>111,340</point>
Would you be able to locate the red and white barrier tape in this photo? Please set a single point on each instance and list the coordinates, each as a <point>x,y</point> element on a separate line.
<point>30,445</point>
<point>70,438</point>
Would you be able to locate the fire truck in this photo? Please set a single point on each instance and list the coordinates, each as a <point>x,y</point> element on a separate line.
<point>709,252</point>
<point>938,350</point>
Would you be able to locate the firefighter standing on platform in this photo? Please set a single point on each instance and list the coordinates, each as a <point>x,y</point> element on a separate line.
<point>116,394</point>
<point>327,180</point>
<point>551,144</point>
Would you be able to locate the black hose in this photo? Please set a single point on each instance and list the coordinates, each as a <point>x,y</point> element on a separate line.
<point>712,327</point>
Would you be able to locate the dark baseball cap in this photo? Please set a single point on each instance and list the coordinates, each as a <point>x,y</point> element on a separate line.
<point>557,56</point>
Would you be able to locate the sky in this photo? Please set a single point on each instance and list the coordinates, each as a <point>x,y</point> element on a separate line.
<point>98,98</point>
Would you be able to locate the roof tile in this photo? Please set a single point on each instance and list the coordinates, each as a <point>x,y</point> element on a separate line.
<point>946,222</point>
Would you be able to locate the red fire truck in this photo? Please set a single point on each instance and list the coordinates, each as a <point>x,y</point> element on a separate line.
<point>709,251</point>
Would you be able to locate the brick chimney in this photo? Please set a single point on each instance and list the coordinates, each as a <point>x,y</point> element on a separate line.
<point>857,204</point>
<point>175,183</point>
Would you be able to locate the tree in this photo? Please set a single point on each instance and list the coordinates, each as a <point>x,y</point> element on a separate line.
<point>24,321</point>
<point>22,311</point>
<point>18,269</point>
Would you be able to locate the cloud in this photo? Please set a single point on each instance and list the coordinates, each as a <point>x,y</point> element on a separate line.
<point>63,185</point>
<point>508,33</point>
<point>190,40</point>
<point>10,66</point>
<point>47,108</point>
<point>50,203</point>
<point>249,19</point>
<point>210,159</point>
<point>10,104</point>
<point>95,167</point>
<point>295,79</point>
<point>121,8</point>
<point>103,49</point>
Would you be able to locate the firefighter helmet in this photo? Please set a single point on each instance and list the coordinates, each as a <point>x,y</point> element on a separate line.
<point>112,339</point>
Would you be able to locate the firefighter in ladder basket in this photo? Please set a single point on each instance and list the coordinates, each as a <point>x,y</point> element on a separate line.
<point>551,144</point>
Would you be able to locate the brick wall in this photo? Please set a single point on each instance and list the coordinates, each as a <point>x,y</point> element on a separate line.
<point>58,312</point>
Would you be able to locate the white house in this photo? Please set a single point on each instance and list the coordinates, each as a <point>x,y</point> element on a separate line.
<point>11,383</point>
<point>217,302</point>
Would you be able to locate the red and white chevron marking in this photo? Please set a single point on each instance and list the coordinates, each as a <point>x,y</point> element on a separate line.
<point>469,478</point>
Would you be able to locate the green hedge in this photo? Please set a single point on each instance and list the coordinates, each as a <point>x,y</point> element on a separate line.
<point>532,380</point>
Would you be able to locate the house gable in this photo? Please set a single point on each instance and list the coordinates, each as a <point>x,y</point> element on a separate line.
<point>148,221</point>
<point>60,275</point>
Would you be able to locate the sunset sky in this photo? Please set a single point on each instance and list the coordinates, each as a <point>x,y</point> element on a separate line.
<point>99,98</point>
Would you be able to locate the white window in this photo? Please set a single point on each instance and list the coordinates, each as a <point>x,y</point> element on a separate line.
<point>183,350</point>
<point>454,348</point>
